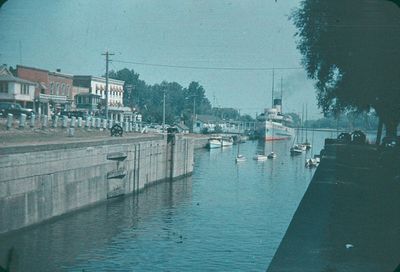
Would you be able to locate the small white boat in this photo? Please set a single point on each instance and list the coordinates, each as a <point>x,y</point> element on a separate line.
<point>296,150</point>
<point>240,158</point>
<point>260,157</point>
<point>226,141</point>
<point>215,142</point>
<point>302,147</point>
<point>311,163</point>
<point>307,145</point>
<point>271,155</point>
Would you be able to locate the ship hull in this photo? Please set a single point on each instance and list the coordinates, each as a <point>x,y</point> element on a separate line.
<point>272,131</point>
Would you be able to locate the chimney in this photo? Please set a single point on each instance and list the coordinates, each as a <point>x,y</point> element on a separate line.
<point>58,70</point>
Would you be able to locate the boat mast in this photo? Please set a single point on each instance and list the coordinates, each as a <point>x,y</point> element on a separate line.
<point>302,125</point>
<point>272,94</point>
<point>281,95</point>
<point>306,126</point>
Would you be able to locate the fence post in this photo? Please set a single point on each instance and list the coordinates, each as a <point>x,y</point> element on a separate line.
<point>45,120</point>
<point>73,122</point>
<point>55,121</point>
<point>22,120</point>
<point>9,120</point>
<point>64,121</point>
<point>87,122</point>
<point>32,123</point>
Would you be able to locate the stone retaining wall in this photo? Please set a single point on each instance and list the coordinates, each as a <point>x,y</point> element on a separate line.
<point>42,182</point>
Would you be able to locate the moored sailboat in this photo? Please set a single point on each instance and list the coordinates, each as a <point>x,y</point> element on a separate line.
<point>239,157</point>
<point>307,145</point>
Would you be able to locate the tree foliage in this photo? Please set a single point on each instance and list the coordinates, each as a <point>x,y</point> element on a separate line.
<point>226,113</point>
<point>350,48</point>
<point>350,122</point>
<point>148,99</point>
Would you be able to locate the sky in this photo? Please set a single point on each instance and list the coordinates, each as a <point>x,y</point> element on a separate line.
<point>71,35</point>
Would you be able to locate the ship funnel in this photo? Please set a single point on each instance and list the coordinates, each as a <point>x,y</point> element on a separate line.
<point>278,104</point>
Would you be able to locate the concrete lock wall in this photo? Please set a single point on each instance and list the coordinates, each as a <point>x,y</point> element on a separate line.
<point>39,185</point>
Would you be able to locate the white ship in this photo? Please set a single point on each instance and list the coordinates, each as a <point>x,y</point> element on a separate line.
<point>273,125</point>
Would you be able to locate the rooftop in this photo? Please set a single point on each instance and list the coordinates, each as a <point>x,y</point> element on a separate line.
<point>6,75</point>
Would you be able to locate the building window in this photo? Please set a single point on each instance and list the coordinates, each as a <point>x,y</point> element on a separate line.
<point>24,89</point>
<point>63,89</point>
<point>57,90</point>
<point>3,87</point>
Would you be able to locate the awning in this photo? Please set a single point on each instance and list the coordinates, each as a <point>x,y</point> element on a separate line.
<point>46,98</point>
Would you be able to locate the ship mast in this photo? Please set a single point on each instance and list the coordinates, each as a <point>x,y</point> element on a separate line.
<point>273,86</point>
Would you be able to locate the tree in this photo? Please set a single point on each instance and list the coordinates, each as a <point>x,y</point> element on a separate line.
<point>226,113</point>
<point>133,87</point>
<point>246,118</point>
<point>349,47</point>
<point>397,2</point>
<point>195,100</point>
<point>295,118</point>
<point>2,2</point>
<point>148,99</point>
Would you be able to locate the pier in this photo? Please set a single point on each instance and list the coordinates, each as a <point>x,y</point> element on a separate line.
<point>348,220</point>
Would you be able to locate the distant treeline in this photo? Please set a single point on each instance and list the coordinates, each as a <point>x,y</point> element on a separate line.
<point>350,121</point>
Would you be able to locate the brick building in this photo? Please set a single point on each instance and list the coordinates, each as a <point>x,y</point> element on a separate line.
<point>53,92</point>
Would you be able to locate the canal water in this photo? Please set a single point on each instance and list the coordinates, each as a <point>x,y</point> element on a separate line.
<point>226,217</point>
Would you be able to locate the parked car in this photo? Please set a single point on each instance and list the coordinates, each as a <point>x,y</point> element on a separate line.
<point>75,114</point>
<point>14,108</point>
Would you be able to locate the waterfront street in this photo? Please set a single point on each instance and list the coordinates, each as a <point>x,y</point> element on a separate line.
<point>36,136</point>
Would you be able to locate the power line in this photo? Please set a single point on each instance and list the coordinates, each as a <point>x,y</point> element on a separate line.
<point>209,67</point>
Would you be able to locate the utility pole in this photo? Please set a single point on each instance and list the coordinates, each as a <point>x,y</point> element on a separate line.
<point>194,110</point>
<point>163,126</point>
<point>107,54</point>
